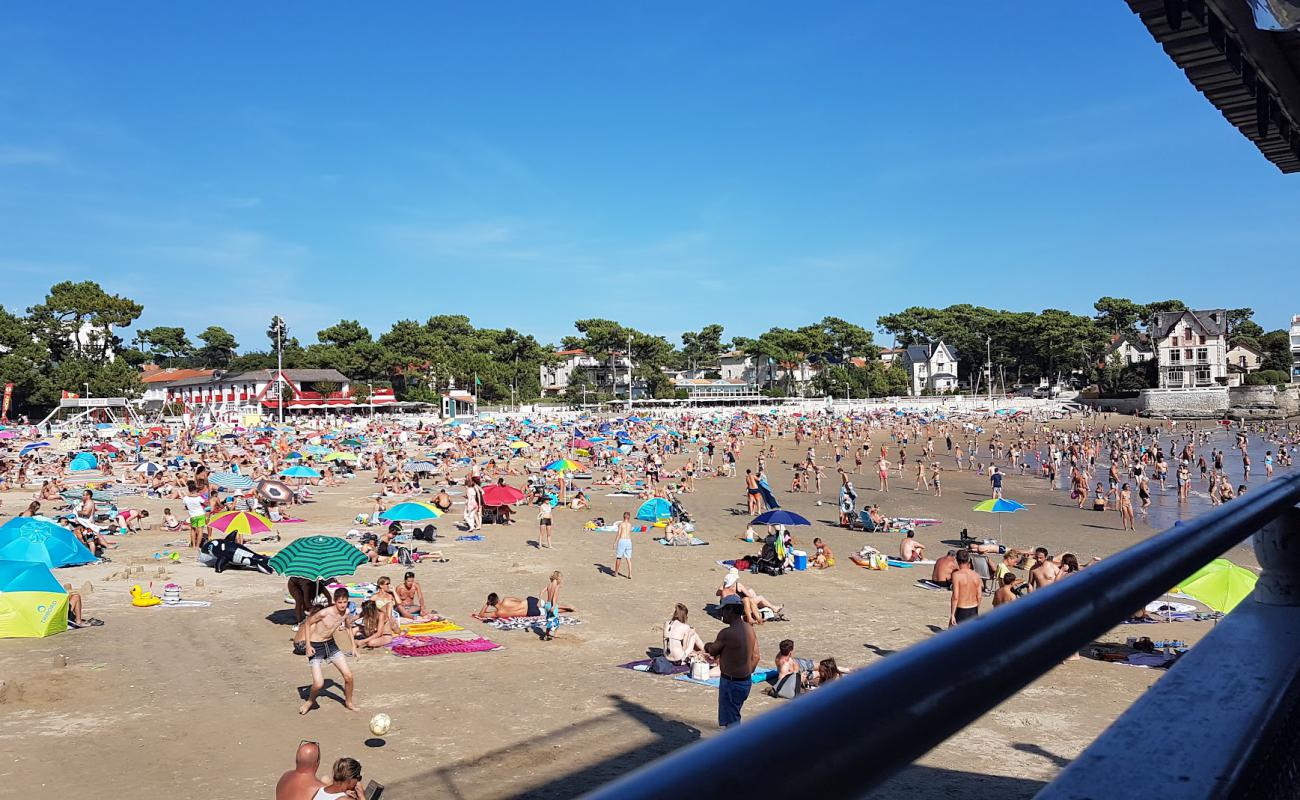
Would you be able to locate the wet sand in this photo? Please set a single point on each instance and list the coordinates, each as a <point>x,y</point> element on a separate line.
<point>202,703</point>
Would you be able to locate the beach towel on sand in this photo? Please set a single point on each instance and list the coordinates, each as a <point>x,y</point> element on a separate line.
<point>417,646</point>
<point>761,676</point>
<point>694,542</point>
<point>643,665</point>
<point>429,628</point>
<point>527,623</point>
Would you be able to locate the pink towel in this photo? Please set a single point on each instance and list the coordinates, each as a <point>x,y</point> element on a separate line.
<point>413,646</point>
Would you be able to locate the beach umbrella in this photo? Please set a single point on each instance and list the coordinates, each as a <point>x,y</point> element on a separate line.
<point>519,444</point>
<point>32,603</point>
<point>655,509</point>
<point>585,444</point>
<point>445,446</point>
<point>317,558</point>
<point>411,511</point>
<point>231,480</point>
<point>421,466</point>
<point>563,465</point>
<point>999,505</point>
<point>33,446</point>
<point>316,450</point>
<point>779,516</point>
<point>36,539</point>
<point>1221,585</point>
<point>299,472</point>
<point>500,495</point>
<point>293,455</point>
<point>241,522</point>
<point>274,491</point>
<point>148,468</point>
<point>339,455</point>
<point>352,442</point>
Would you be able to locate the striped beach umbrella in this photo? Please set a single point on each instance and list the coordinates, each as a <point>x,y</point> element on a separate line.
<point>410,512</point>
<point>420,466</point>
<point>241,522</point>
<point>31,447</point>
<point>564,465</point>
<point>231,480</point>
<point>148,468</point>
<point>275,491</point>
<point>318,558</point>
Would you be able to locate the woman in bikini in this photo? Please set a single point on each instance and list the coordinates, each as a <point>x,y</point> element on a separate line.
<point>681,643</point>
<point>377,628</point>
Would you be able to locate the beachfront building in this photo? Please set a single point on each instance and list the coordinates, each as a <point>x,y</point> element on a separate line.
<point>1130,349</point>
<point>1295,348</point>
<point>1191,348</point>
<point>931,368</point>
<point>891,355</point>
<point>1243,359</point>
<point>577,367</point>
<point>259,391</point>
<point>717,389</point>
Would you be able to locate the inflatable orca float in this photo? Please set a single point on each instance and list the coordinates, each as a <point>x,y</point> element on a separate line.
<point>222,553</point>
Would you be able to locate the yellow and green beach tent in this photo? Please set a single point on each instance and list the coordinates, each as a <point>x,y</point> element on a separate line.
<point>32,602</point>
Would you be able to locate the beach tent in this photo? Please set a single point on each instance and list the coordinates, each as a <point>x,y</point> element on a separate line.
<point>83,462</point>
<point>35,539</point>
<point>32,603</point>
<point>654,510</point>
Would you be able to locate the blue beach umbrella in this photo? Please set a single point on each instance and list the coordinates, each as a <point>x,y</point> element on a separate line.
<point>779,516</point>
<point>35,539</point>
<point>299,472</point>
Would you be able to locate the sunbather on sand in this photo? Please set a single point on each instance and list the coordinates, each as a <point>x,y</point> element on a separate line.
<point>681,643</point>
<point>910,549</point>
<point>505,607</point>
<point>753,601</point>
<point>377,628</point>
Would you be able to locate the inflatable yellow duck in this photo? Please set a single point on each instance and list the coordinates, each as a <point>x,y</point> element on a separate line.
<point>143,599</point>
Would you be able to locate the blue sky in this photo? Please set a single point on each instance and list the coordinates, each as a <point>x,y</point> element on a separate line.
<point>664,164</point>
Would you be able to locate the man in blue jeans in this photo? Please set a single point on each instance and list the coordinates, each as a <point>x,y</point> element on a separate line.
<point>736,650</point>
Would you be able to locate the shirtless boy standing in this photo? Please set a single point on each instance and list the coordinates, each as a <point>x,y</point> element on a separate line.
<point>321,648</point>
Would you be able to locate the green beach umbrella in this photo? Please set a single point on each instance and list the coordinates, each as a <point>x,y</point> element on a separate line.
<point>1221,585</point>
<point>318,558</point>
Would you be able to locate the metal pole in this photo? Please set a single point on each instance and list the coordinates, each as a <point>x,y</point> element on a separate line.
<point>279,367</point>
<point>370,397</point>
<point>990,367</point>
<point>629,373</point>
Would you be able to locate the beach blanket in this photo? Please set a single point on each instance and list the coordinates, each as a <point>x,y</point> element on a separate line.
<point>898,562</point>
<point>931,585</point>
<point>184,604</point>
<point>428,628</point>
<point>761,676</point>
<point>478,537</point>
<point>526,623</point>
<point>694,542</point>
<point>288,520</point>
<point>726,564</point>
<point>362,591</point>
<point>418,646</point>
<point>644,666</point>
<point>621,494</point>
<point>914,522</point>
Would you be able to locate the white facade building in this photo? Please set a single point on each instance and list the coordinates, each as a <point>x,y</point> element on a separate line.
<point>1295,348</point>
<point>930,368</point>
<point>1191,348</point>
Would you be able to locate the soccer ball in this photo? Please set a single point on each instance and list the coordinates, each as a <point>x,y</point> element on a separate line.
<point>380,724</point>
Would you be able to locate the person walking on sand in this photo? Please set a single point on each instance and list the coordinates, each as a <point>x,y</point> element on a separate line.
<point>301,783</point>
<point>544,522</point>
<point>551,606</point>
<point>882,467</point>
<point>736,651</point>
<point>623,545</point>
<point>319,630</point>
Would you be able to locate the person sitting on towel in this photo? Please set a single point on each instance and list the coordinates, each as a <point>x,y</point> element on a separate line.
<point>677,534</point>
<point>822,557</point>
<point>580,502</point>
<point>682,644</point>
<point>788,664</point>
<point>377,629</point>
<point>910,549</point>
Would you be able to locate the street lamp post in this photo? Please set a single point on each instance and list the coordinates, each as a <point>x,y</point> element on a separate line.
<point>629,374</point>
<point>87,385</point>
<point>279,367</point>
<point>370,397</point>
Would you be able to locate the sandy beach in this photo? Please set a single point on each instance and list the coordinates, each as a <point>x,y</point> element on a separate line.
<point>202,702</point>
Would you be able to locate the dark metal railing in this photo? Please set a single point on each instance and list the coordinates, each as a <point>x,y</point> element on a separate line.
<point>874,722</point>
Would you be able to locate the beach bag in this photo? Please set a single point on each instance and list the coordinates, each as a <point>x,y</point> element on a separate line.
<point>404,557</point>
<point>788,687</point>
<point>741,564</point>
<point>700,670</point>
<point>662,666</point>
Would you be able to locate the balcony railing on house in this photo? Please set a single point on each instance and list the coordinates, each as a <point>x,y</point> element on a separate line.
<point>1221,723</point>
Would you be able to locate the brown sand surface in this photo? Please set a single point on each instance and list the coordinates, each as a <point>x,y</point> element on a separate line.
<point>202,703</point>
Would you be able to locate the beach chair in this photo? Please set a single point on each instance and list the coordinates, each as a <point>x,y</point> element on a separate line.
<point>980,563</point>
<point>868,524</point>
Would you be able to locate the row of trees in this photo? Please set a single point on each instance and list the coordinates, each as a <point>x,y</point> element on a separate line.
<point>70,341</point>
